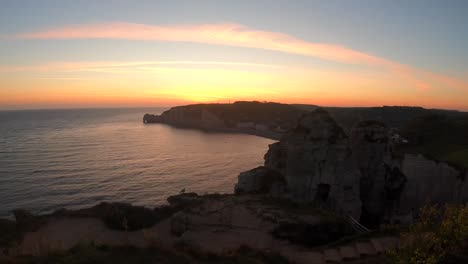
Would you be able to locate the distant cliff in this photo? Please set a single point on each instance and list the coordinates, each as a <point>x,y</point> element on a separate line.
<point>392,116</point>
<point>269,120</point>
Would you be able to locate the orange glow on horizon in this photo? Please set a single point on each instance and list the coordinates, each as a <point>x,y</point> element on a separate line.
<point>146,84</point>
<point>336,76</point>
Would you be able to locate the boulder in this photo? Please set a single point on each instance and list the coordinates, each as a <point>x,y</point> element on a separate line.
<point>127,217</point>
<point>148,118</point>
<point>184,200</point>
<point>260,180</point>
<point>26,221</point>
<point>180,223</point>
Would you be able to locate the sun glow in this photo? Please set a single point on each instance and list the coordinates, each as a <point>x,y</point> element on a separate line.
<point>147,83</point>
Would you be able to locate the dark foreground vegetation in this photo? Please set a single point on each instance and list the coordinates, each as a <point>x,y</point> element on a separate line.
<point>439,236</point>
<point>91,254</point>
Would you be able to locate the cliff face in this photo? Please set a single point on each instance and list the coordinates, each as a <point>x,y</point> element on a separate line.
<point>269,120</point>
<point>431,180</point>
<point>188,116</point>
<point>315,161</point>
<point>358,176</point>
<point>380,182</point>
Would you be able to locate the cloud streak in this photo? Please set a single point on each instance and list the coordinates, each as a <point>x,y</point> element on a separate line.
<point>240,36</point>
<point>109,65</point>
<point>219,34</point>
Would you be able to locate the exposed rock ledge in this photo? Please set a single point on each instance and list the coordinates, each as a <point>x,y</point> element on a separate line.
<point>211,223</point>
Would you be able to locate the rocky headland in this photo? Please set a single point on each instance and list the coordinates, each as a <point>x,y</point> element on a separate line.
<point>321,196</point>
<point>270,120</point>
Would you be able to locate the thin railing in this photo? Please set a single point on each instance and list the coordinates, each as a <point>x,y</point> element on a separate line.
<point>356,225</point>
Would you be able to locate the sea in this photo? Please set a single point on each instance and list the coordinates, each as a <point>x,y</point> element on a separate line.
<point>52,159</point>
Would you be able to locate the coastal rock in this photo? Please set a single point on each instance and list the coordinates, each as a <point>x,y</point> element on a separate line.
<point>371,150</point>
<point>316,162</point>
<point>216,224</point>
<point>430,181</point>
<point>124,216</point>
<point>361,176</point>
<point>148,118</point>
<point>120,216</point>
<point>23,216</point>
<point>179,224</point>
<point>192,116</point>
<point>25,220</point>
<point>265,119</point>
<point>260,180</point>
<point>184,200</point>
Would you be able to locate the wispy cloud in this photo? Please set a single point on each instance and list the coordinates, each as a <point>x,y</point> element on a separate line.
<point>241,36</point>
<point>100,66</point>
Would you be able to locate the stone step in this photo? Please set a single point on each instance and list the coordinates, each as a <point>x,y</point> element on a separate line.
<point>302,255</point>
<point>309,257</point>
<point>366,249</point>
<point>377,245</point>
<point>332,255</point>
<point>389,243</point>
<point>348,252</point>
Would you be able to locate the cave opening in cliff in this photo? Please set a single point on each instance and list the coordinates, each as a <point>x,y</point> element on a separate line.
<point>370,220</point>
<point>323,191</point>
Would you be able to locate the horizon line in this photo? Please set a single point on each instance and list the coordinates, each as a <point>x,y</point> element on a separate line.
<point>178,105</point>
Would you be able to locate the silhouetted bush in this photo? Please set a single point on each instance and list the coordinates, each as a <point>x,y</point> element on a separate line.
<point>8,232</point>
<point>440,236</point>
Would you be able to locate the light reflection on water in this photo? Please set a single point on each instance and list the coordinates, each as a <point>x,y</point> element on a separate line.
<point>51,159</point>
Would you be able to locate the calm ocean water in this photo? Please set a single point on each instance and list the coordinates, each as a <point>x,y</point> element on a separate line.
<point>51,159</point>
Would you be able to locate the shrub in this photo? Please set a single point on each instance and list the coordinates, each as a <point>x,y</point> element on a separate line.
<point>8,232</point>
<point>440,234</point>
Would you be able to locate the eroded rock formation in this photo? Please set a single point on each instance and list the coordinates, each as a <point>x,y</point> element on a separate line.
<point>316,163</point>
<point>260,180</point>
<point>359,175</point>
<point>429,181</point>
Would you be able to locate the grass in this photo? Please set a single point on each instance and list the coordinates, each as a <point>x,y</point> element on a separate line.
<point>459,157</point>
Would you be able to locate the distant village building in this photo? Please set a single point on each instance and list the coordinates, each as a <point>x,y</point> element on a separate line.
<point>397,138</point>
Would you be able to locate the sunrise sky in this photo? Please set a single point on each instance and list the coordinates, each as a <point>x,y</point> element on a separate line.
<point>68,54</point>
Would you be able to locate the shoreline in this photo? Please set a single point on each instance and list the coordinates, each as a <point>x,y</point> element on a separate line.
<point>264,134</point>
